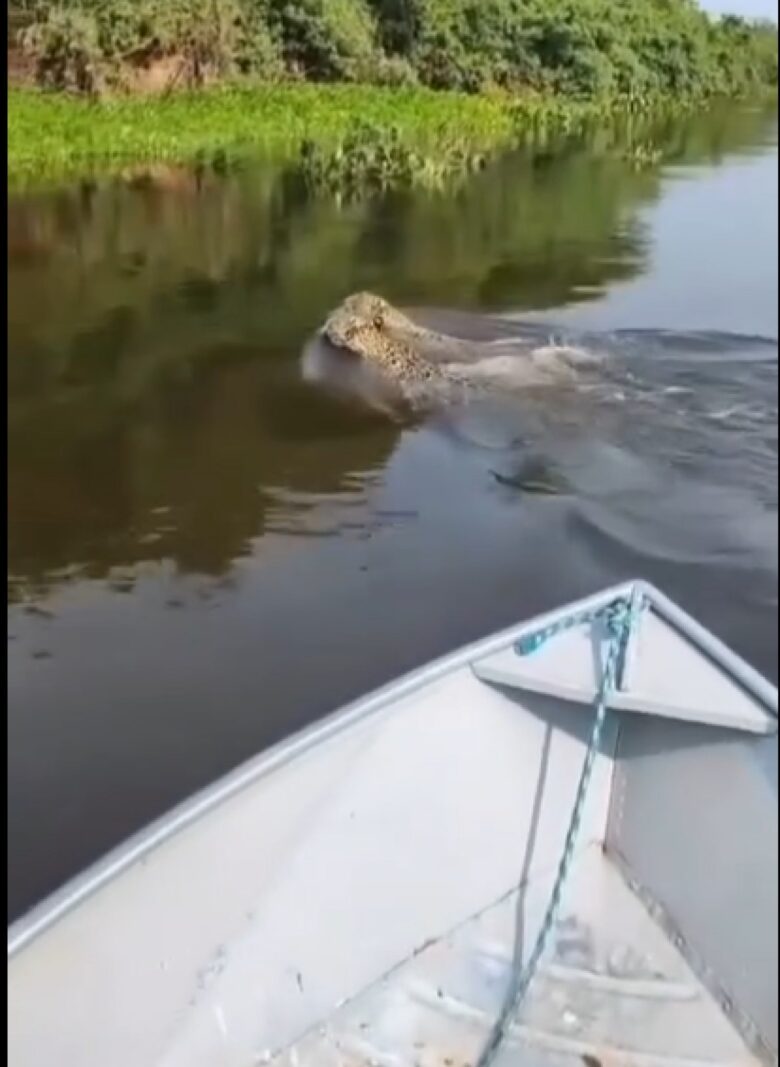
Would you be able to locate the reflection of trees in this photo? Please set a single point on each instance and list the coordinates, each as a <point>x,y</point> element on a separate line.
<point>183,475</point>
<point>152,319</point>
<point>709,137</point>
<point>526,233</point>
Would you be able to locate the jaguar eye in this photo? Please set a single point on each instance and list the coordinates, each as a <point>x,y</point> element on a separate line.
<point>378,322</point>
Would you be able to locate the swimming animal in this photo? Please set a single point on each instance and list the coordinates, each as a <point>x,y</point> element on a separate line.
<point>367,326</point>
<point>373,329</point>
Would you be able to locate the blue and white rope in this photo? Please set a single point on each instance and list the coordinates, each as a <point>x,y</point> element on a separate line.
<point>618,618</point>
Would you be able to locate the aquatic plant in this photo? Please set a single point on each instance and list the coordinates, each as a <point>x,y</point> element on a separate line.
<point>372,158</point>
<point>642,156</point>
<point>390,136</point>
<point>56,134</point>
<point>377,131</point>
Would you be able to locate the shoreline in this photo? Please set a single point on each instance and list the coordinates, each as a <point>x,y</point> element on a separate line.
<point>55,137</point>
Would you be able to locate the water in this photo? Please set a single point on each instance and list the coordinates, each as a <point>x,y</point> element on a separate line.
<point>209,549</point>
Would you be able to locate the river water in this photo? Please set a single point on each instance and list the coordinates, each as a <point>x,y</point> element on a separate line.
<point>211,546</point>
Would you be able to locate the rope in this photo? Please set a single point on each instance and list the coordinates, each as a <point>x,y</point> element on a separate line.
<point>618,618</point>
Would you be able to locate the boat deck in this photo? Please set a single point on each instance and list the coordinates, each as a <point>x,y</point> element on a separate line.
<point>612,991</point>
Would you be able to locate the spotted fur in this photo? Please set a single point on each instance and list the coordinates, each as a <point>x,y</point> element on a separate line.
<point>374,330</point>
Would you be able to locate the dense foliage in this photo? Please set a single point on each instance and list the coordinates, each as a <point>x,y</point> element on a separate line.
<point>585,48</point>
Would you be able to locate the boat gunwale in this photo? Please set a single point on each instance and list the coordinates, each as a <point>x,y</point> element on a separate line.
<point>133,849</point>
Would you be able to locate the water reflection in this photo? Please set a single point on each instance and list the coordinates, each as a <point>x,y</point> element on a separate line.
<point>182,474</point>
<point>167,451</point>
<point>155,324</point>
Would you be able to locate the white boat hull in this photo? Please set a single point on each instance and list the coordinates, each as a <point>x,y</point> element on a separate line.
<point>234,930</point>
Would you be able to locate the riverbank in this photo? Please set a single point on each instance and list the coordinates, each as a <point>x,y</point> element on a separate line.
<point>340,135</point>
<point>52,136</point>
<point>418,89</point>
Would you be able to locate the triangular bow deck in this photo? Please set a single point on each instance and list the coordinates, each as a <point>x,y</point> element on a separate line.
<point>674,668</point>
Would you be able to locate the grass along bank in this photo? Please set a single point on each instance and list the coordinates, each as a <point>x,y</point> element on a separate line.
<point>387,90</point>
<point>53,136</point>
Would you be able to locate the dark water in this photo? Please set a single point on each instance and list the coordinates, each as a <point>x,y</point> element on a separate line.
<point>208,549</point>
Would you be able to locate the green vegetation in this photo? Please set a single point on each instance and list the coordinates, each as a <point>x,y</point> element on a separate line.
<point>58,134</point>
<point>425,134</point>
<point>636,48</point>
<point>452,78</point>
<point>371,157</point>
